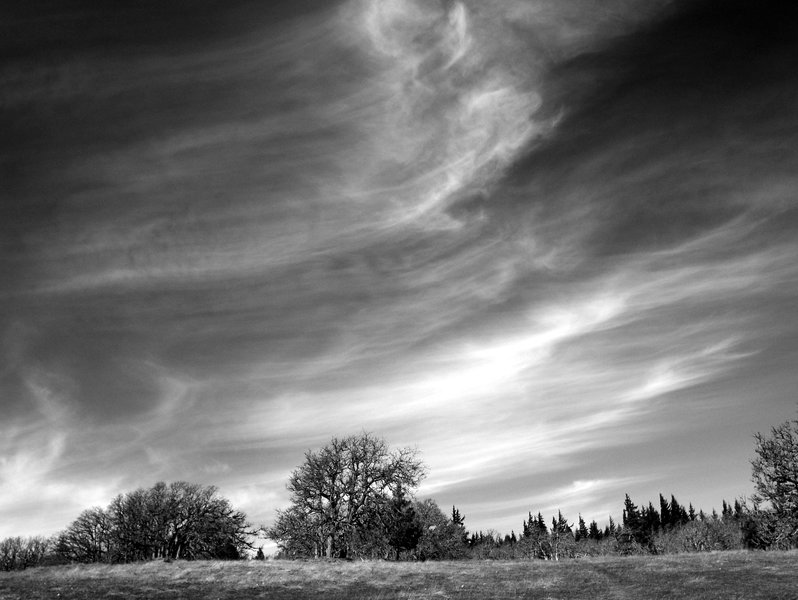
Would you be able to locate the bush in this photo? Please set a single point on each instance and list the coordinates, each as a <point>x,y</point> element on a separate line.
<point>699,536</point>
<point>766,530</point>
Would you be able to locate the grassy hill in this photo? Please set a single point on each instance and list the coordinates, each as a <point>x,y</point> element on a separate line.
<point>727,575</point>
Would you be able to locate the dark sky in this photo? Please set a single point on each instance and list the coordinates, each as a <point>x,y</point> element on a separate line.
<point>551,243</point>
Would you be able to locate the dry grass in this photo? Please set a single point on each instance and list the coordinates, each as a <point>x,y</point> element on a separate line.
<point>729,575</point>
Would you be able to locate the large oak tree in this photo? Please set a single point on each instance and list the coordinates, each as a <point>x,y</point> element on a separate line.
<point>775,476</point>
<point>344,494</point>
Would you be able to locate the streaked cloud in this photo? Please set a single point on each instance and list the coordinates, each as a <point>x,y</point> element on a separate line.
<point>537,240</point>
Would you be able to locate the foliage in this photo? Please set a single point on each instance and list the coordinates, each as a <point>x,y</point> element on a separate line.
<point>405,529</point>
<point>765,530</point>
<point>441,538</point>
<point>180,520</point>
<point>344,499</point>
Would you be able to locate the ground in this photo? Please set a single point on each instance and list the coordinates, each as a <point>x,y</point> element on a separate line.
<point>727,575</point>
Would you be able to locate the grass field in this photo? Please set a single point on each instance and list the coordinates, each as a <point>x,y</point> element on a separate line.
<point>728,575</point>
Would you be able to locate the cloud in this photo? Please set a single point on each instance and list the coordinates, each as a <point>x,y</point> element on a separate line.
<point>539,241</point>
<point>450,115</point>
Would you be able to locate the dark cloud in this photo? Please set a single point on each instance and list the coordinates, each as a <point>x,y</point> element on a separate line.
<point>670,131</point>
<point>52,28</point>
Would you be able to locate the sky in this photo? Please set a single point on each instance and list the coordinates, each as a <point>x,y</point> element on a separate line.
<point>551,244</point>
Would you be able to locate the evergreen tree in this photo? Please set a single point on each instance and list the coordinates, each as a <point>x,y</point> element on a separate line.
<point>631,516</point>
<point>678,513</point>
<point>402,525</point>
<point>675,511</point>
<point>664,512</point>
<point>581,531</point>
<point>525,532</point>
<point>458,520</point>
<point>691,513</point>
<point>541,524</point>
<point>639,524</point>
<point>651,519</point>
<point>593,532</point>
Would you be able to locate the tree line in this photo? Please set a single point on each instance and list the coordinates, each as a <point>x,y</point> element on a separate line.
<point>355,498</point>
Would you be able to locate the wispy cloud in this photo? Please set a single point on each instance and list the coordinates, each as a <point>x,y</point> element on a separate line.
<point>540,241</point>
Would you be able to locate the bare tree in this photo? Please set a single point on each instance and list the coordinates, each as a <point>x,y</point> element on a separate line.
<point>343,492</point>
<point>179,520</point>
<point>88,538</point>
<point>775,469</point>
<point>18,553</point>
<point>775,476</point>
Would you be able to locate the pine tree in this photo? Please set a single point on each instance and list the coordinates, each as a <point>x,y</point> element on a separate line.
<point>559,525</point>
<point>639,523</point>
<point>458,523</point>
<point>541,524</point>
<point>691,513</point>
<point>679,515</point>
<point>651,519</point>
<point>581,531</point>
<point>404,529</point>
<point>593,532</point>
<point>631,516</point>
<point>664,512</point>
<point>676,510</point>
